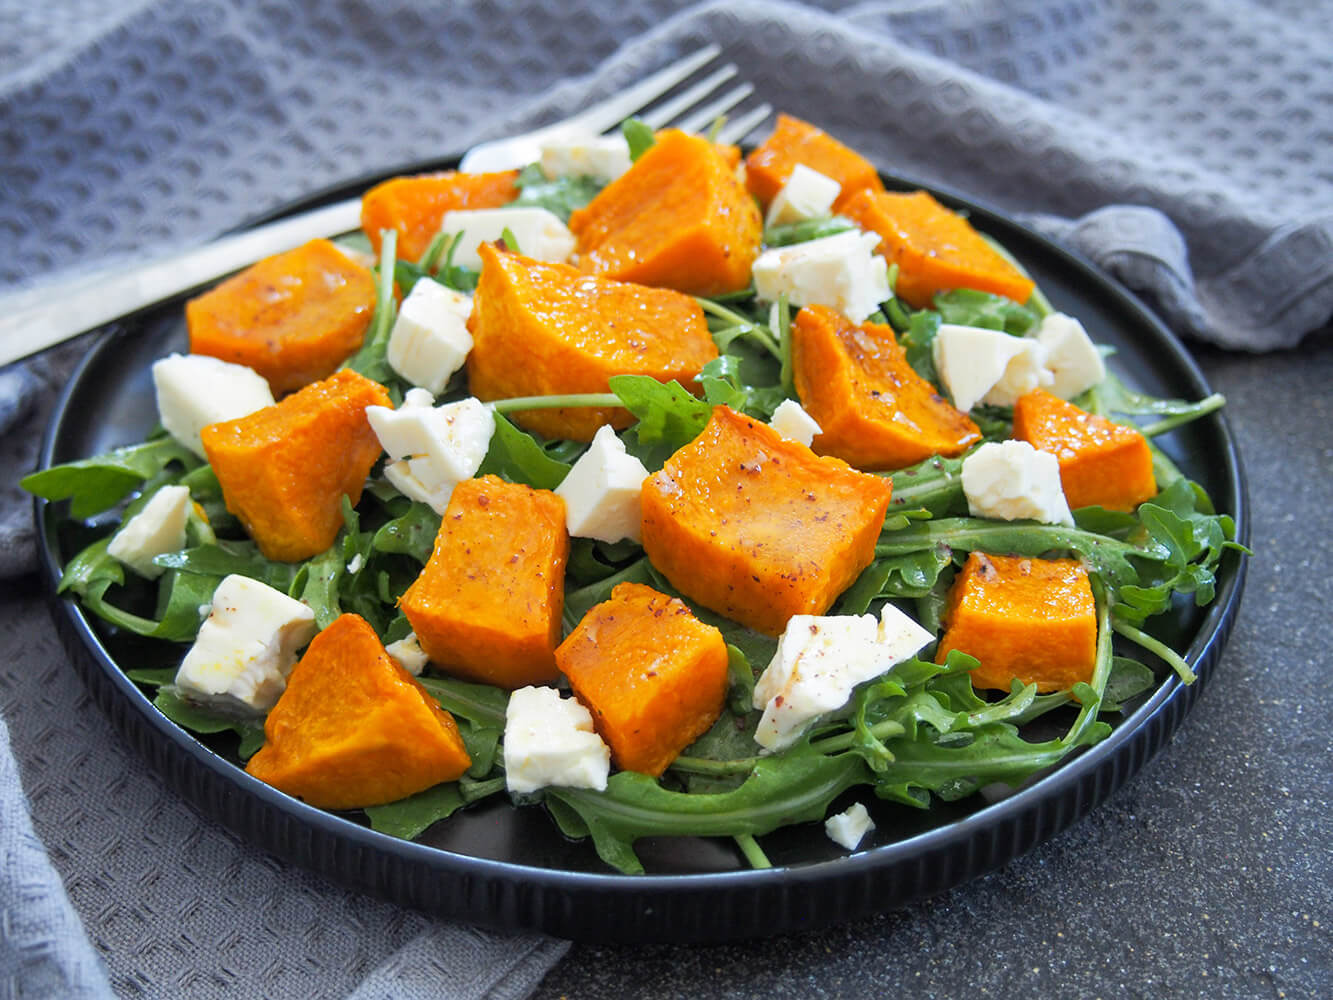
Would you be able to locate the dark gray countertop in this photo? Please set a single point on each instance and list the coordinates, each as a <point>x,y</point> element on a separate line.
<point>1210,874</point>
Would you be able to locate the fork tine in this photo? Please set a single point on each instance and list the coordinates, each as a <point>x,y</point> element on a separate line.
<point>665,112</point>
<point>616,109</point>
<point>738,128</point>
<point>705,116</point>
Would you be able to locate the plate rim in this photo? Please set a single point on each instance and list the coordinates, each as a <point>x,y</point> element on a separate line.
<point>556,901</point>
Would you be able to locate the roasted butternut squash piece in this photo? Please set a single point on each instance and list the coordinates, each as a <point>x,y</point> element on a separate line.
<point>769,166</point>
<point>542,329</point>
<point>757,527</point>
<point>874,411</point>
<point>293,317</point>
<point>653,676</point>
<point>487,605</point>
<point>1101,462</point>
<point>284,469</point>
<point>415,206</point>
<point>936,249</point>
<point>678,218</point>
<point>354,729</point>
<point>1033,619</point>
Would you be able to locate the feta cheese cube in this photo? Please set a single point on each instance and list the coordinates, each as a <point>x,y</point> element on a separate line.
<point>246,647</point>
<point>900,634</point>
<point>157,529</point>
<point>602,157</point>
<point>1011,480</point>
<point>195,390</point>
<point>792,422</point>
<point>408,652</point>
<point>987,366</point>
<point>850,826</point>
<point>1072,358</point>
<point>602,491</point>
<point>433,448</point>
<point>840,271</point>
<point>540,233</point>
<point>430,339</point>
<point>549,740</point>
<point>808,194</point>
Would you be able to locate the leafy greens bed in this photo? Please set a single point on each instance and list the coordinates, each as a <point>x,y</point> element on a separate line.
<point>915,734</point>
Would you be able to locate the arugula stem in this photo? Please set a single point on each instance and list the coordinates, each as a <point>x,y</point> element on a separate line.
<point>844,741</point>
<point>572,399</point>
<point>752,851</point>
<point>1202,408</point>
<point>1158,647</point>
<point>431,257</point>
<point>715,768</point>
<point>751,328</point>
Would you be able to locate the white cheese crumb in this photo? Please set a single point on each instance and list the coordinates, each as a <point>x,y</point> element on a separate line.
<point>195,390</point>
<point>430,340</point>
<point>602,492</point>
<point>840,271</point>
<point>540,233</point>
<point>603,157</point>
<point>987,366</point>
<point>849,827</point>
<point>408,652</point>
<point>432,448</point>
<point>549,740</point>
<point>808,194</point>
<point>1071,357</point>
<point>792,422</point>
<point>1011,480</point>
<point>156,530</point>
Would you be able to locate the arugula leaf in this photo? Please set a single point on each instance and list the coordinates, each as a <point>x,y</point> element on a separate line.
<point>412,534</point>
<point>639,135</point>
<point>724,385</point>
<point>516,456</point>
<point>788,233</point>
<point>372,359</point>
<point>561,196</point>
<point>205,721</point>
<point>93,485</point>
<point>934,484</point>
<point>224,558</point>
<point>968,307</point>
<point>669,417</point>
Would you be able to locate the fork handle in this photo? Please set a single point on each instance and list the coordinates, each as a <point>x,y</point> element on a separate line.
<point>33,320</point>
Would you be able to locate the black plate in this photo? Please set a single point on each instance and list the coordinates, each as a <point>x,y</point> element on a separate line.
<point>510,868</point>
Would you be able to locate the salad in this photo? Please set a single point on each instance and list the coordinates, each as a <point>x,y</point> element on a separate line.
<point>675,492</point>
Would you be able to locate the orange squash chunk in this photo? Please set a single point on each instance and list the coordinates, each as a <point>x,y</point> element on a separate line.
<point>653,676</point>
<point>284,469</point>
<point>757,527</point>
<point>415,206</point>
<point>874,410</point>
<point>678,218</point>
<point>769,166</point>
<point>487,606</point>
<point>1033,619</point>
<point>936,249</point>
<point>544,329</point>
<point>1101,462</point>
<point>354,729</point>
<point>293,317</point>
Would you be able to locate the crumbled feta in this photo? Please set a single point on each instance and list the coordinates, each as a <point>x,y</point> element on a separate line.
<point>1072,358</point>
<point>792,422</point>
<point>430,340</point>
<point>549,740</point>
<point>820,660</point>
<point>246,646</point>
<point>540,234</point>
<point>602,491</point>
<point>840,271</point>
<point>987,366</point>
<point>408,652</point>
<point>808,194</point>
<point>157,529</point>
<point>195,390</point>
<point>432,448</point>
<point>602,157</point>
<point>355,563</point>
<point>1011,480</point>
<point>850,826</point>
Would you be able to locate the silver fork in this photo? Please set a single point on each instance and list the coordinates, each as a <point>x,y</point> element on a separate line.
<point>38,318</point>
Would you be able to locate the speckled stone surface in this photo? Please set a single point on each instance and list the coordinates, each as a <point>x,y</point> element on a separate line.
<point>1209,875</point>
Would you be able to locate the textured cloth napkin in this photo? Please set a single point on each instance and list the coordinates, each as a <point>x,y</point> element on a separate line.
<point>1184,146</point>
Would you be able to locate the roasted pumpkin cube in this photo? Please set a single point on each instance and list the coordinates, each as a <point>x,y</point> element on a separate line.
<point>1101,462</point>
<point>678,218</point>
<point>935,248</point>
<point>1030,619</point>
<point>293,317</point>
<point>543,329</point>
<point>653,676</point>
<point>415,206</point>
<point>757,527</point>
<point>487,606</point>
<point>354,729</point>
<point>769,166</point>
<point>285,469</point>
<point>873,409</point>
